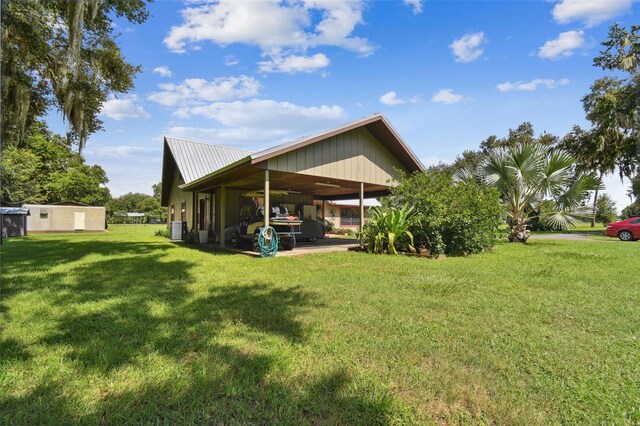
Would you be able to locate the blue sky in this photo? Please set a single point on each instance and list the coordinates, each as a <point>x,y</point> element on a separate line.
<point>447,74</point>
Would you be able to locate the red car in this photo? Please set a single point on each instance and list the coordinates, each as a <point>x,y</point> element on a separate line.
<point>626,230</point>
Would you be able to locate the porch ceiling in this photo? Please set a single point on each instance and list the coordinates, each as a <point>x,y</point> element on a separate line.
<point>251,178</point>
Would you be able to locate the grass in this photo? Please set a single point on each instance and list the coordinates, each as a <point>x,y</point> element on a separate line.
<point>126,327</point>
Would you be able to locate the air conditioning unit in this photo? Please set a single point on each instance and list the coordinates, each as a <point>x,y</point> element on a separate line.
<point>178,230</point>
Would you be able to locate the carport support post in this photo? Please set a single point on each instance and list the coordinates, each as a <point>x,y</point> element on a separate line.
<point>267,210</point>
<point>361,213</point>
<point>223,214</point>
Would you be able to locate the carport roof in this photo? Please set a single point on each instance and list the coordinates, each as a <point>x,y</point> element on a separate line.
<point>199,162</point>
<point>377,124</point>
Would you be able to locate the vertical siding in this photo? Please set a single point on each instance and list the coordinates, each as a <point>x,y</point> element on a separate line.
<point>355,155</point>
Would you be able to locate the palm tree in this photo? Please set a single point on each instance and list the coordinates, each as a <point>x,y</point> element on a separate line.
<point>537,182</point>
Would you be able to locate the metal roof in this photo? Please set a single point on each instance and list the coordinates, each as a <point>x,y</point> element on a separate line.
<point>198,159</point>
<point>14,210</point>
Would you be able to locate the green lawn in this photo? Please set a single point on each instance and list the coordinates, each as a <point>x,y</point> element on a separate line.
<point>126,327</point>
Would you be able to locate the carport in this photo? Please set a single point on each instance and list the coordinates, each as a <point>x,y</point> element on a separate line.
<point>358,160</point>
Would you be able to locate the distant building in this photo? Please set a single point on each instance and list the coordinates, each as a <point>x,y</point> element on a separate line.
<point>65,217</point>
<point>132,217</point>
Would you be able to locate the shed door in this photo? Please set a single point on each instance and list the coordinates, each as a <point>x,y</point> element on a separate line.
<point>79,221</point>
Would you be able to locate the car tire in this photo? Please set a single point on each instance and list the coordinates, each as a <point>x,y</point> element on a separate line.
<point>625,236</point>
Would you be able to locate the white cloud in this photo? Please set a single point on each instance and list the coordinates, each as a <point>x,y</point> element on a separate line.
<point>238,136</point>
<point>293,63</point>
<point>121,151</point>
<point>590,12</point>
<point>266,114</point>
<point>447,96</point>
<point>164,71</point>
<point>532,85</point>
<point>563,46</point>
<point>392,99</point>
<point>416,5</point>
<point>257,123</point>
<point>197,90</point>
<point>231,60</point>
<point>279,29</point>
<point>271,24</point>
<point>121,109</point>
<point>467,48</point>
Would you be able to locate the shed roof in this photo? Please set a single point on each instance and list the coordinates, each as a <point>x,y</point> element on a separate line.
<point>14,210</point>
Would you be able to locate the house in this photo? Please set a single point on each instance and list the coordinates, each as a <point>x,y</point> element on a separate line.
<point>346,213</point>
<point>14,221</point>
<point>129,217</point>
<point>65,217</point>
<point>203,184</point>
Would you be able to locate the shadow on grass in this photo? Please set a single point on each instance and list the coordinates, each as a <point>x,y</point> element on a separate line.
<point>113,317</point>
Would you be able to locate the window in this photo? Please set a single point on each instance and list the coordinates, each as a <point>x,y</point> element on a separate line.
<point>637,221</point>
<point>173,212</point>
<point>183,211</point>
<point>44,214</point>
<point>350,216</point>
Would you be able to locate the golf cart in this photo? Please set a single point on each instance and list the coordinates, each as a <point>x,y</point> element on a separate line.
<point>286,225</point>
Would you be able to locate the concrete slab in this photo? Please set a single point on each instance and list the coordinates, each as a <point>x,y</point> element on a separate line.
<point>325,245</point>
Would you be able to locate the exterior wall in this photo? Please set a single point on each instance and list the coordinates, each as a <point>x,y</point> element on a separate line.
<point>336,217</point>
<point>62,218</point>
<point>355,155</point>
<point>176,198</point>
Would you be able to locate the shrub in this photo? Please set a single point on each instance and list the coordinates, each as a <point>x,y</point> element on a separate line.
<point>388,230</point>
<point>454,218</point>
<point>632,210</point>
<point>328,226</point>
<point>163,233</point>
<point>347,231</point>
<point>606,211</point>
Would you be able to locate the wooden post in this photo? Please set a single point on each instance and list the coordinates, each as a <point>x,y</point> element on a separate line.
<point>223,213</point>
<point>267,209</point>
<point>194,211</point>
<point>361,213</point>
<point>211,214</point>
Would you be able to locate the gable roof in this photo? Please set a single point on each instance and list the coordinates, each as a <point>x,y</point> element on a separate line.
<point>376,124</point>
<point>197,159</point>
<point>194,160</point>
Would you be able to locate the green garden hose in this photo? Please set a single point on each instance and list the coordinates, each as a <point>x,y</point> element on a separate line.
<point>268,242</point>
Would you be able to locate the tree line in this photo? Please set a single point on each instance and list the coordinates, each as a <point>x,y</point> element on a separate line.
<point>611,143</point>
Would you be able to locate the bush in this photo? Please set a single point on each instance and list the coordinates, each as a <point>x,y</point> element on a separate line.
<point>328,226</point>
<point>606,211</point>
<point>454,218</point>
<point>632,210</point>
<point>163,233</point>
<point>347,231</point>
<point>388,230</point>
